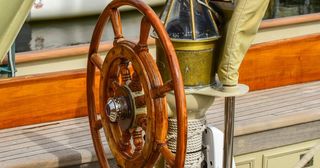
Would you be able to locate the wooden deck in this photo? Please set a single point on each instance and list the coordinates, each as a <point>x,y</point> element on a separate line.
<point>272,108</point>
<point>279,111</point>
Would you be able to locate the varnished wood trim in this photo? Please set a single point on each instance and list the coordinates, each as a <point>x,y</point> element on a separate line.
<point>270,23</point>
<point>69,51</point>
<point>42,98</point>
<point>282,62</point>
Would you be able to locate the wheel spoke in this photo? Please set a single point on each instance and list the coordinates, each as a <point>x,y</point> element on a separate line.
<point>115,85</point>
<point>98,124</point>
<point>121,138</point>
<point>168,156</point>
<point>135,84</point>
<point>125,72</point>
<point>137,139</point>
<point>116,24</point>
<point>144,32</point>
<point>140,101</point>
<point>141,121</point>
<point>162,90</point>
<point>96,60</point>
<point>125,142</point>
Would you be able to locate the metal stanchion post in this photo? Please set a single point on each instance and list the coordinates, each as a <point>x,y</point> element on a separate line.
<point>228,132</point>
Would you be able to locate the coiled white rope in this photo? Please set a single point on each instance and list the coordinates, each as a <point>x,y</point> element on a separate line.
<point>194,156</point>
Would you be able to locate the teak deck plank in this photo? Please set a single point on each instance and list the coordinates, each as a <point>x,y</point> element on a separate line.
<point>68,142</point>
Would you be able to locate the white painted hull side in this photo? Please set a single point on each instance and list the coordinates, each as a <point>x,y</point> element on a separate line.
<point>57,9</point>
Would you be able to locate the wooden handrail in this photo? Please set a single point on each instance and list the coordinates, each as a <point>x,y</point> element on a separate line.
<point>62,52</point>
<point>270,23</point>
<point>69,51</point>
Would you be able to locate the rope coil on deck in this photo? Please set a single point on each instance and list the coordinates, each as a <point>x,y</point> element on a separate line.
<point>194,156</point>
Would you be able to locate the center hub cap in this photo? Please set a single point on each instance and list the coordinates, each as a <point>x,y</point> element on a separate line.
<point>121,108</point>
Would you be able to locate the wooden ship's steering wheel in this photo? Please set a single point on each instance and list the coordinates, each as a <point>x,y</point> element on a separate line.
<point>132,103</point>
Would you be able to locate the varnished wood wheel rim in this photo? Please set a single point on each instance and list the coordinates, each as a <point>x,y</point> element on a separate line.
<point>156,92</point>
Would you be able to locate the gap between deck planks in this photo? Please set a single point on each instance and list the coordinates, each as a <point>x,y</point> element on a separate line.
<point>68,142</point>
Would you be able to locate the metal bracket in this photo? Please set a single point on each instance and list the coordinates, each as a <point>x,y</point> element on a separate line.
<point>213,142</point>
